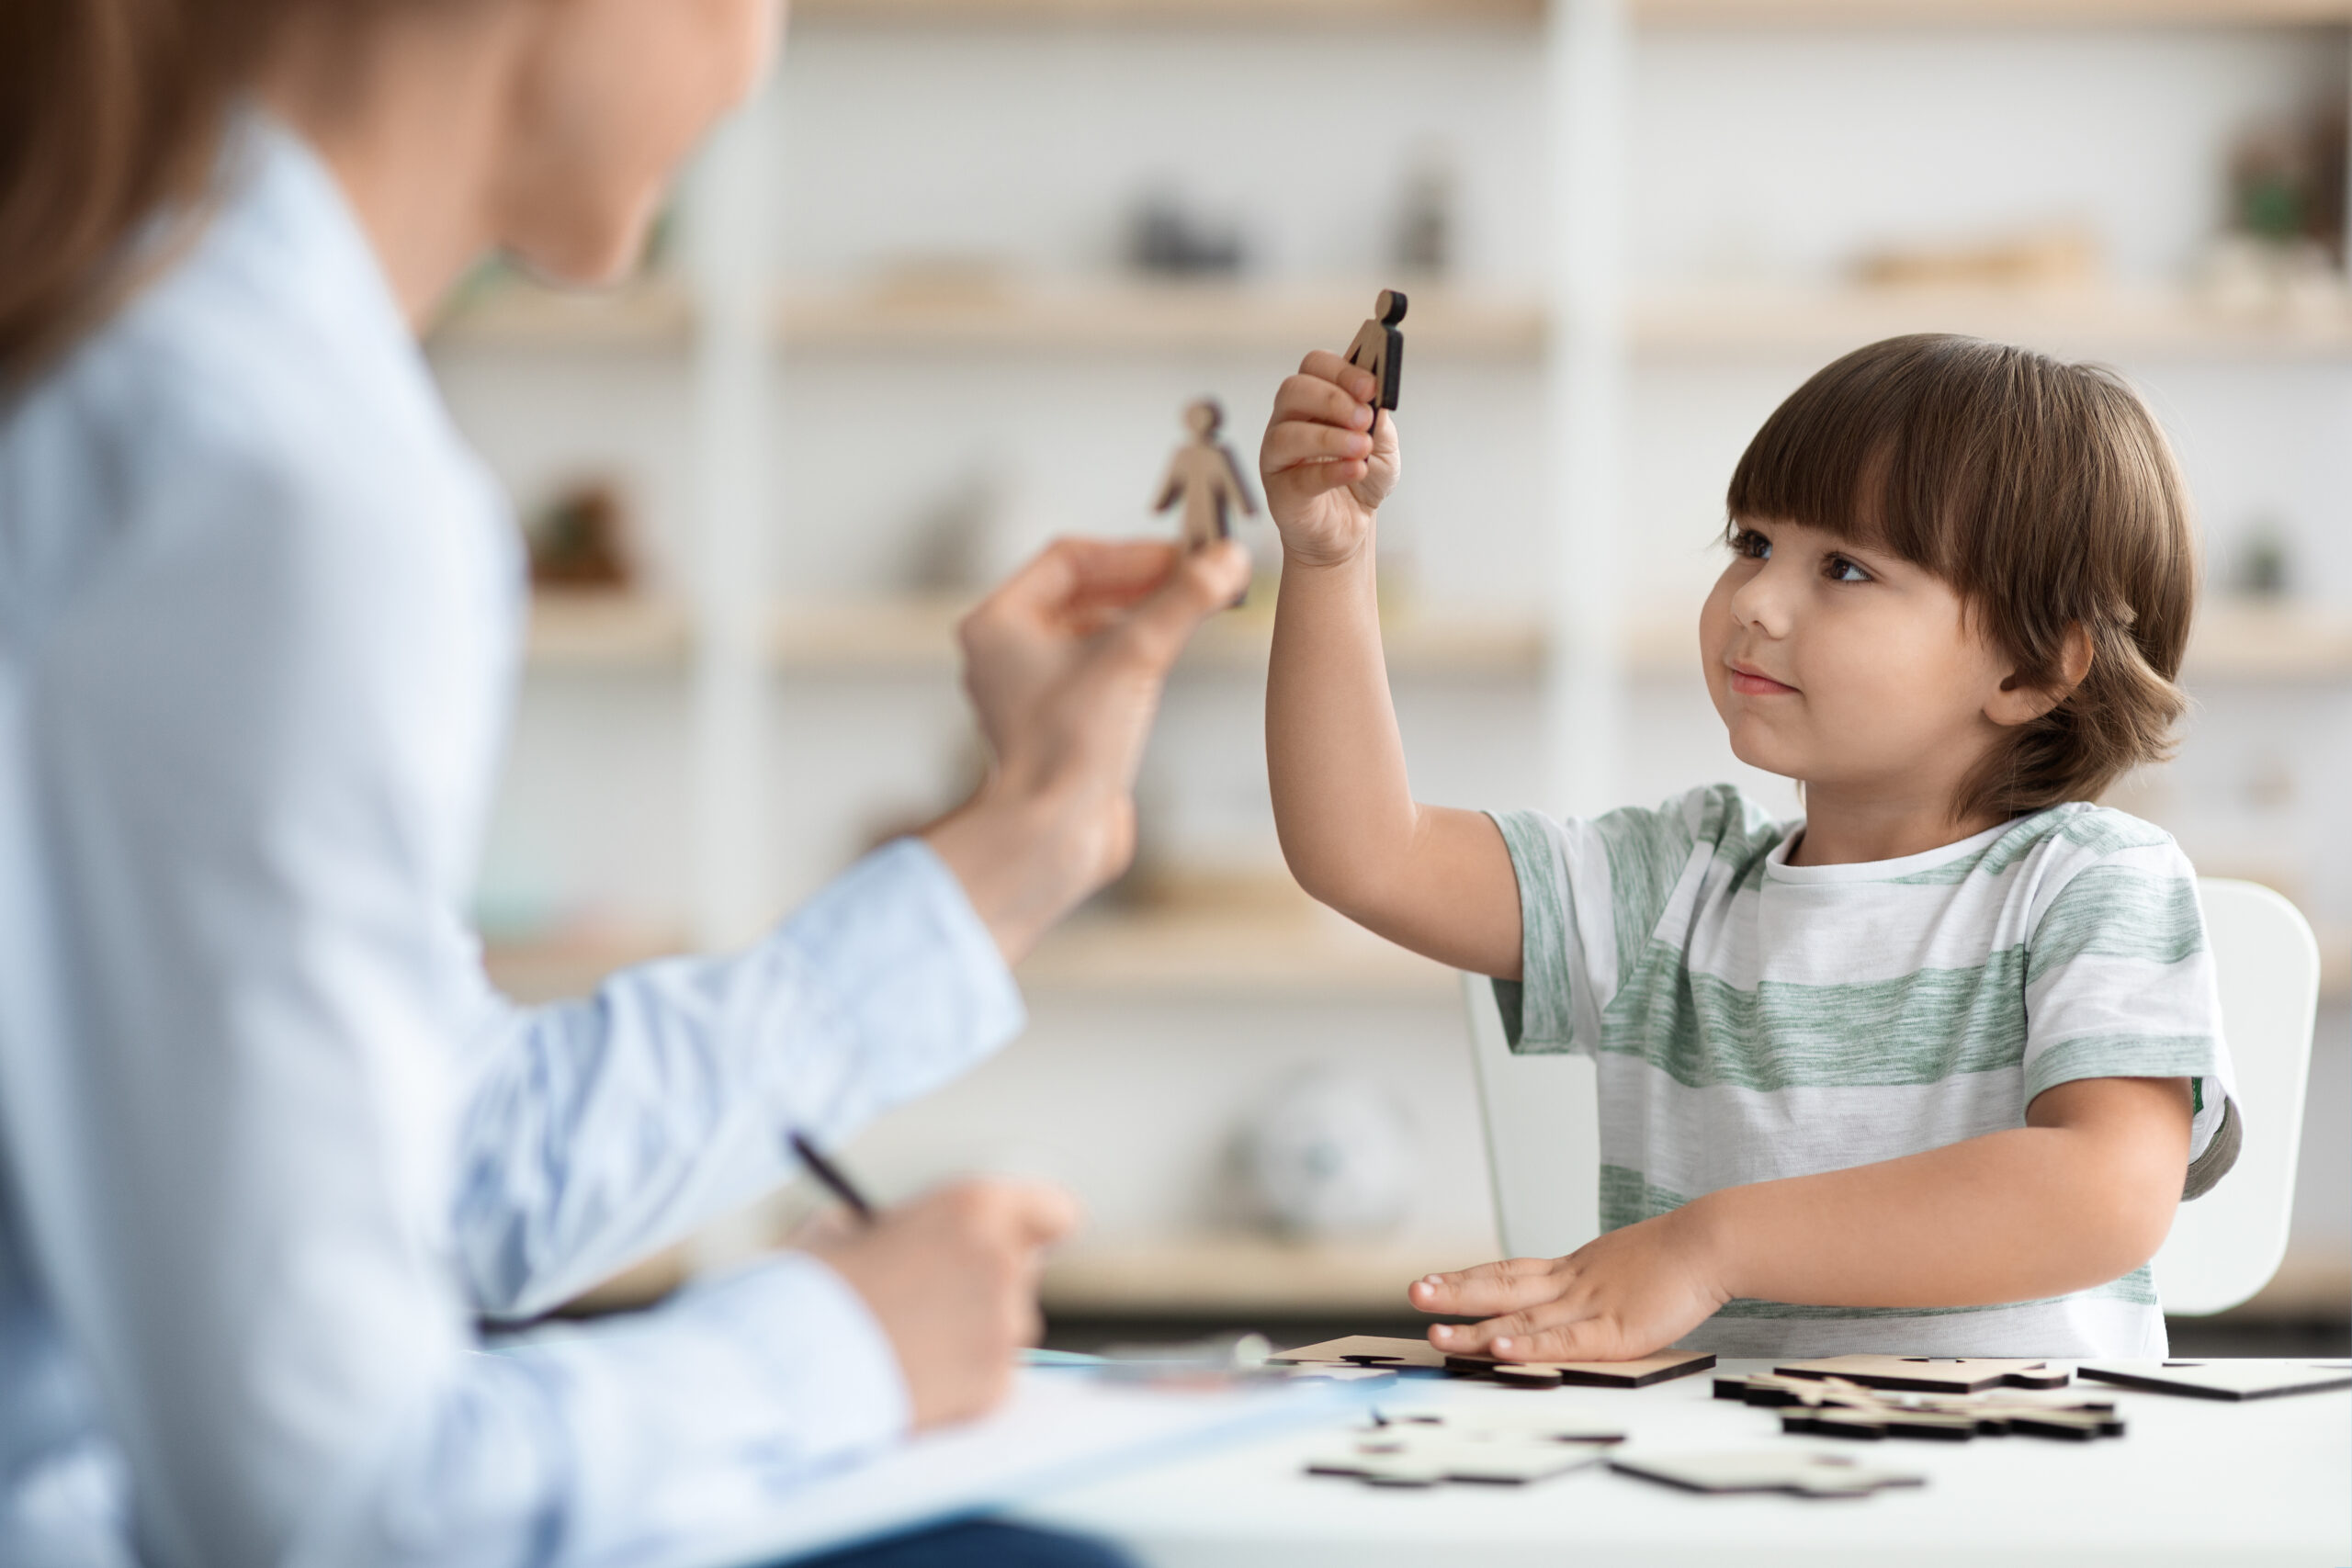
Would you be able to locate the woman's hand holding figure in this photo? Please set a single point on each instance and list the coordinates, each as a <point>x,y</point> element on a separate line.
<point>1065,664</point>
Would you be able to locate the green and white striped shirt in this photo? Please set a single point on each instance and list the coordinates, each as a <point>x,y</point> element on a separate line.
<point>1751,1020</point>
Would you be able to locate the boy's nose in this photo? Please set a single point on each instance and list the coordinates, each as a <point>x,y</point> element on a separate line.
<point>1761,603</point>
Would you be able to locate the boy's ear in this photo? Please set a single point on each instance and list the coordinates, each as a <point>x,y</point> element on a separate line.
<point>2020,702</point>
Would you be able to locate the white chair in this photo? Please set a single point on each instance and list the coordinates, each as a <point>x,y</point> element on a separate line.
<point>1544,1140</point>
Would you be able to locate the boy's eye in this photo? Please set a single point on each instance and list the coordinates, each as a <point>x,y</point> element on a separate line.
<point>1840,570</point>
<point>1748,542</point>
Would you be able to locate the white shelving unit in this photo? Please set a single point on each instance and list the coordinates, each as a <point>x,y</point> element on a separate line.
<point>733,630</point>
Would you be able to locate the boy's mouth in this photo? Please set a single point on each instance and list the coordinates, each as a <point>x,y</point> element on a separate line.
<point>1753,683</point>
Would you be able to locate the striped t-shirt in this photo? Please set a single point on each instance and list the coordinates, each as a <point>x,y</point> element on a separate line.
<point>1752,1019</point>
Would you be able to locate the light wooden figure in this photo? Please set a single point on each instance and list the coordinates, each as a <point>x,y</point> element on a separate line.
<point>1204,477</point>
<point>1379,347</point>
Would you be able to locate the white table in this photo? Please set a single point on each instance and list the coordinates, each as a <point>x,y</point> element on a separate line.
<point>2193,1482</point>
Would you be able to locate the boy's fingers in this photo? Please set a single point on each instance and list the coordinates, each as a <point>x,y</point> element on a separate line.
<point>1511,1283</point>
<point>1312,398</point>
<point>1353,380</point>
<point>1291,444</point>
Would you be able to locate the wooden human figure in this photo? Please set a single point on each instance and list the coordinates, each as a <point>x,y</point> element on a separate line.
<point>1203,476</point>
<point>1379,347</point>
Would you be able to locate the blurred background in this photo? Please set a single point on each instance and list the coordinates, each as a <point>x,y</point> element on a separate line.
<point>943,293</point>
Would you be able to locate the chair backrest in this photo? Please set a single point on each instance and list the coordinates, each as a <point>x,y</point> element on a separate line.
<point>2225,1245</point>
<point>1544,1141</point>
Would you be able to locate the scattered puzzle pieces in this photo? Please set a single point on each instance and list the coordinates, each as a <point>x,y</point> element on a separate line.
<point>1365,1350</point>
<point>1801,1470</point>
<point>1371,1350</point>
<point>1834,1407</point>
<point>2233,1380</point>
<point>1930,1374</point>
<point>1660,1367</point>
<point>1428,1448</point>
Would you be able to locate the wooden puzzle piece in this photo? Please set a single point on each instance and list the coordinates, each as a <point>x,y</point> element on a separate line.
<point>1379,347</point>
<point>2233,1380</point>
<point>1800,1471</point>
<point>1930,1374</point>
<point>1428,1448</point>
<point>1835,1407</point>
<point>1538,1422</point>
<point>1660,1367</point>
<point>1204,477</point>
<point>1365,1350</point>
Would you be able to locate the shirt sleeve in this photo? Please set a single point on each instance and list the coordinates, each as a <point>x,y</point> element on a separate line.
<point>2120,984</point>
<point>1591,893</point>
<point>233,777</point>
<point>603,1129</point>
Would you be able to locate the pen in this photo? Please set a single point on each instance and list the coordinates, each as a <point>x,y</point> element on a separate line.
<point>835,1182</point>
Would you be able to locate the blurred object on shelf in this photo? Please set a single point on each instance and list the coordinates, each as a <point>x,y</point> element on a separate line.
<point>2059,256</point>
<point>2286,182</point>
<point>2265,570</point>
<point>1330,1156</point>
<point>2270,782</point>
<point>950,547</point>
<point>1422,245</point>
<point>579,540</point>
<point>1166,240</point>
<point>2282,252</point>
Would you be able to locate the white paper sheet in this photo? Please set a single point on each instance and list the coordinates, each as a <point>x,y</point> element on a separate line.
<point>1060,1428</point>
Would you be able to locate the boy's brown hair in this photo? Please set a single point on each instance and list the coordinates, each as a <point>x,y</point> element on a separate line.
<point>2045,493</point>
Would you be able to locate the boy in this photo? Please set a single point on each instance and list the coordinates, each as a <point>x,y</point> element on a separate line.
<point>1924,1072</point>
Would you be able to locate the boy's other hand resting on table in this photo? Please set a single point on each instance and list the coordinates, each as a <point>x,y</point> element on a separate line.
<point>1329,461</point>
<point>1625,1294</point>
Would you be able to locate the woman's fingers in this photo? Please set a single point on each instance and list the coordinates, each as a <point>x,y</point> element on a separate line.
<point>1203,582</point>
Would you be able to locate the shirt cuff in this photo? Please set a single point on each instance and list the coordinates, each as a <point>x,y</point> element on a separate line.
<point>914,975</point>
<point>818,1348</point>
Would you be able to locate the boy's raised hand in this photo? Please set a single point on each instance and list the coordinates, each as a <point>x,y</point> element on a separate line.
<point>1328,462</point>
<point>1625,1294</point>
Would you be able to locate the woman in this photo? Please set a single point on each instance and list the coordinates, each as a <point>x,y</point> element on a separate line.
<point>268,1145</point>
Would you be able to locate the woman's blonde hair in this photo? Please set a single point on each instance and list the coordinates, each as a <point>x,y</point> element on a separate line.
<point>2046,495</point>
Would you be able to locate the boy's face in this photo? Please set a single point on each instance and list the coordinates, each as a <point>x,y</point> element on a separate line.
<point>1849,668</point>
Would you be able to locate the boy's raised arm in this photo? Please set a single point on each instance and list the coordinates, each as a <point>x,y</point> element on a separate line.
<point>1437,881</point>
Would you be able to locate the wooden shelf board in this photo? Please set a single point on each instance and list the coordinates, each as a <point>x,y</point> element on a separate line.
<point>1713,323</point>
<point>2240,639</point>
<point>1215,1275</point>
<point>918,636</point>
<point>2234,640</point>
<point>653,312</point>
<point>1106,316</point>
<point>986,314</point>
<point>561,968</point>
<point>606,631</point>
<point>1526,13</point>
<point>1205,949</point>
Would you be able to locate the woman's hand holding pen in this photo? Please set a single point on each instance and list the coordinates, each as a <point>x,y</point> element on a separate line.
<point>1329,459</point>
<point>952,1278</point>
<point>1064,664</point>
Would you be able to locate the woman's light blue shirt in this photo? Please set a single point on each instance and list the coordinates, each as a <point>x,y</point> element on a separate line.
<point>269,1145</point>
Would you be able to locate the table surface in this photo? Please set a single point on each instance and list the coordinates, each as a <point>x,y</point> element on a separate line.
<point>2193,1481</point>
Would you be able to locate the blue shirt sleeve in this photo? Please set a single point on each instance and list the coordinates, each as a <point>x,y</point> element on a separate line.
<point>603,1129</point>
